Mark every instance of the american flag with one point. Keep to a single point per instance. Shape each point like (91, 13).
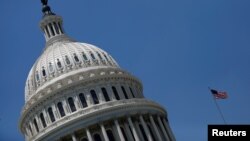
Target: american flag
(219, 94)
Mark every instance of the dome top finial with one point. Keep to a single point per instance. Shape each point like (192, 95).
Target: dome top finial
(46, 9)
(44, 2)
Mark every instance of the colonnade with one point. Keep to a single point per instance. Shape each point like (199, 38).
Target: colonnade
(133, 128)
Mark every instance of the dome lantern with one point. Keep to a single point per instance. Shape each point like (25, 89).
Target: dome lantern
(51, 24)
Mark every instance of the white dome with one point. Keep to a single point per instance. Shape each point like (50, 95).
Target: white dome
(61, 58)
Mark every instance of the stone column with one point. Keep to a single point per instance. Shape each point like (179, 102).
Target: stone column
(99, 94)
(65, 107)
(73, 136)
(104, 132)
(55, 112)
(146, 128)
(133, 129)
(50, 32)
(88, 135)
(130, 138)
(60, 32)
(33, 128)
(169, 130)
(126, 87)
(119, 131)
(110, 92)
(28, 131)
(162, 128)
(39, 124)
(155, 128)
(46, 118)
(76, 102)
(46, 31)
(120, 92)
(139, 131)
(53, 26)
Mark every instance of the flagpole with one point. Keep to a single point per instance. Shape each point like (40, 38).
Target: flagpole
(218, 108)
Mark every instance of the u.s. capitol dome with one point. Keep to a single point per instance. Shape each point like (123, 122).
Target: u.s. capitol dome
(77, 92)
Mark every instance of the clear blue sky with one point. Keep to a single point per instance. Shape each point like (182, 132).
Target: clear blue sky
(177, 48)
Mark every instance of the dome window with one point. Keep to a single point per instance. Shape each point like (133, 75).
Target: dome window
(83, 100)
(105, 56)
(72, 104)
(124, 92)
(43, 120)
(132, 92)
(97, 137)
(37, 76)
(99, 55)
(110, 135)
(67, 60)
(51, 114)
(76, 58)
(115, 93)
(60, 108)
(36, 126)
(51, 69)
(43, 72)
(105, 94)
(92, 56)
(94, 97)
(59, 64)
(84, 56)
(84, 139)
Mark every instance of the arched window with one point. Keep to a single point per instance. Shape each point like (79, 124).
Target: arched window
(43, 72)
(36, 126)
(84, 56)
(51, 69)
(72, 104)
(105, 94)
(51, 114)
(115, 93)
(143, 132)
(124, 92)
(124, 134)
(110, 135)
(67, 60)
(76, 58)
(94, 96)
(99, 55)
(60, 108)
(37, 76)
(132, 92)
(59, 64)
(43, 120)
(83, 100)
(105, 56)
(92, 56)
(97, 137)
(84, 139)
